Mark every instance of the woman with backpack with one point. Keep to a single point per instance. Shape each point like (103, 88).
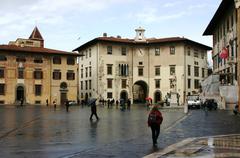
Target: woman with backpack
(154, 121)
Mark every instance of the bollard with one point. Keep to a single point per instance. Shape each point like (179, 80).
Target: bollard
(185, 108)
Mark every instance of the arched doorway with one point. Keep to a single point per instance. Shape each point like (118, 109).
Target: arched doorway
(124, 95)
(140, 92)
(157, 96)
(63, 92)
(20, 93)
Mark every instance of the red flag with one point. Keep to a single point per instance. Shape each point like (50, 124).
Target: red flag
(224, 53)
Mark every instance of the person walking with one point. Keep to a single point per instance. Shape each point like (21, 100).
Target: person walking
(55, 104)
(67, 105)
(21, 102)
(154, 121)
(47, 102)
(128, 104)
(117, 102)
(94, 111)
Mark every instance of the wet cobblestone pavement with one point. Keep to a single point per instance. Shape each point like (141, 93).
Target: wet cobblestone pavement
(43, 132)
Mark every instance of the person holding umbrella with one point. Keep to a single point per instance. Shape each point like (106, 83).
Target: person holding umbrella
(93, 109)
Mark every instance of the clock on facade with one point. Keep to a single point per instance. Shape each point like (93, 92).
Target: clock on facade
(140, 52)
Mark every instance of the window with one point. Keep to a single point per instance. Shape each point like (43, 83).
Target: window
(189, 70)
(196, 53)
(90, 95)
(196, 71)
(90, 71)
(202, 54)
(140, 71)
(172, 69)
(109, 83)
(56, 60)
(2, 89)
(124, 83)
(124, 51)
(195, 63)
(196, 84)
(70, 60)
(157, 51)
(86, 55)
(81, 73)
(140, 63)
(57, 75)
(1, 72)
(157, 83)
(109, 69)
(172, 50)
(86, 73)
(90, 52)
(189, 83)
(109, 49)
(81, 95)
(3, 58)
(70, 75)
(90, 84)
(203, 73)
(81, 85)
(109, 94)
(20, 73)
(123, 69)
(157, 71)
(38, 74)
(38, 60)
(86, 85)
(189, 51)
(20, 59)
(38, 90)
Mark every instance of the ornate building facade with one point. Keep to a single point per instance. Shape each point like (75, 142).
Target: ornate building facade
(121, 68)
(223, 28)
(34, 74)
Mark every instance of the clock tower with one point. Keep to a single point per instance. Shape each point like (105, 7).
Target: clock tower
(140, 35)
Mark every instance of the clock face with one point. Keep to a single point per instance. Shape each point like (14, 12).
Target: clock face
(140, 52)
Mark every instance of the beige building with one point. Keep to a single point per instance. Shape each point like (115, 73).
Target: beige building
(33, 73)
(115, 67)
(223, 28)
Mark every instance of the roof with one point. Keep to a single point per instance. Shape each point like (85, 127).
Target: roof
(36, 34)
(147, 42)
(37, 50)
(221, 11)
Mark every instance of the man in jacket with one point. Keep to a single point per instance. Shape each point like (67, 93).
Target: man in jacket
(154, 121)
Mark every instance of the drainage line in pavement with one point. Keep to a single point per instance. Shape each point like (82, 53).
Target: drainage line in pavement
(18, 128)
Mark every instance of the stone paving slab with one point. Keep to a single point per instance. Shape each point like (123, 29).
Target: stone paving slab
(205, 147)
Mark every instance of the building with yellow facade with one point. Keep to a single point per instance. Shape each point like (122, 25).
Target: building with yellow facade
(34, 74)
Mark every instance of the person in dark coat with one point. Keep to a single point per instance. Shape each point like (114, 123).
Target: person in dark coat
(117, 102)
(154, 121)
(128, 103)
(67, 105)
(47, 102)
(55, 104)
(94, 111)
(21, 102)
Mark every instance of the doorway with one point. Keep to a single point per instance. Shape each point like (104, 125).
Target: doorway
(157, 96)
(20, 93)
(140, 92)
(124, 95)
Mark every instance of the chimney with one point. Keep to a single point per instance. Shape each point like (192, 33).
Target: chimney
(104, 34)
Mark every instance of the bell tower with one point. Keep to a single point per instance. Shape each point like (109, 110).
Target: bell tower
(140, 34)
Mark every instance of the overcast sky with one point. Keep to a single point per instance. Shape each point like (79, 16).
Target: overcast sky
(66, 24)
